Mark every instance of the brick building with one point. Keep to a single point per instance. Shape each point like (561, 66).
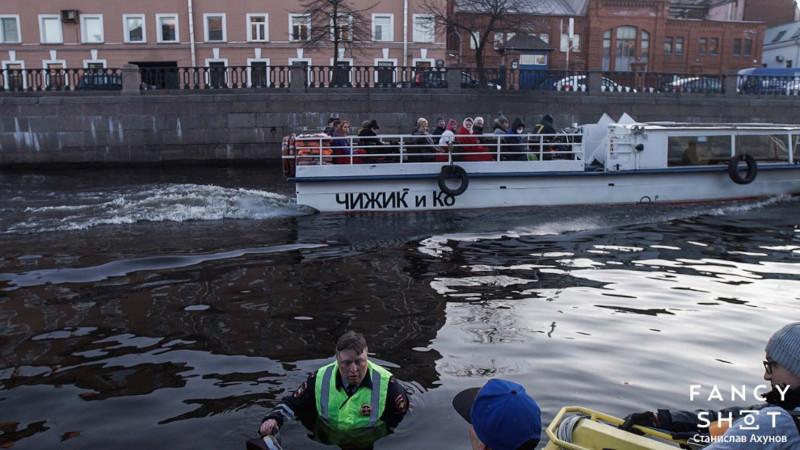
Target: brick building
(640, 35)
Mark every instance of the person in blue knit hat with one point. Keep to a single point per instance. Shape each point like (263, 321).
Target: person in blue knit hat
(772, 425)
(502, 416)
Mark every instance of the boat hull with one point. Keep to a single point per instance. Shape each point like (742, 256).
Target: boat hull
(418, 188)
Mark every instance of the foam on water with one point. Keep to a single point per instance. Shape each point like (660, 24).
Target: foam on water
(154, 203)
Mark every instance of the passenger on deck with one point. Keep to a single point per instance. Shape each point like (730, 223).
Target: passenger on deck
(500, 129)
(448, 138)
(331, 127)
(422, 149)
(477, 126)
(440, 126)
(546, 127)
(514, 148)
(341, 146)
(470, 145)
(500, 124)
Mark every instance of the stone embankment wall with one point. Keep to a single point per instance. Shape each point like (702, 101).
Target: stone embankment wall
(243, 125)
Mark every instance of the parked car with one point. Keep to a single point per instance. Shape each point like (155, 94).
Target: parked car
(438, 78)
(578, 83)
(100, 82)
(694, 84)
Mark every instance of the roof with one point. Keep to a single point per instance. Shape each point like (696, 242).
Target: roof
(789, 32)
(522, 42)
(535, 7)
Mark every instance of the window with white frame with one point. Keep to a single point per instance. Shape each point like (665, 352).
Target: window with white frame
(215, 27)
(424, 28)
(382, 27)
(91, 28)
(9, 29)
(50, 29)
(474, 39)
(168, 30)
(134, 28)
(257, 27)
(574, 45)
(300, 27)
(343, 29)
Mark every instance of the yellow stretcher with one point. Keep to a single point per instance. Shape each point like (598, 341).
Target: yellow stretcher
(579, 428)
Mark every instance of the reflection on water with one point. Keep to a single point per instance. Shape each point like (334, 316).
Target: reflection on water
(182, 331)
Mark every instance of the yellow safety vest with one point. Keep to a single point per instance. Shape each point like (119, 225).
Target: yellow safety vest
(361, 410)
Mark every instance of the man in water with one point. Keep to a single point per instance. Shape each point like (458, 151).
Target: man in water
(346, 397)
(772, 425)
(502, 416)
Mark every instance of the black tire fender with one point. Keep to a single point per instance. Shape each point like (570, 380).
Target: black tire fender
(453, 171)
(736, 175)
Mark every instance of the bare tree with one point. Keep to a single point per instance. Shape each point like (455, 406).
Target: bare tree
(334, 22)
(480, 20)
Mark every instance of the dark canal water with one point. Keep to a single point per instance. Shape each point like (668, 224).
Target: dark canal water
(170, 308)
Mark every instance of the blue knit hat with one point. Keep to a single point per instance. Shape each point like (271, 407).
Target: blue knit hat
(784, 347)
(502, 414)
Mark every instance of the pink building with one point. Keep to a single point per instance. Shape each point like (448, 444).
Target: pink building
(69, 34)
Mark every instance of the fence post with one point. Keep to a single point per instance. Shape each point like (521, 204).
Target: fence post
(453, 78)
(730, 83)
(131, 79)
(594, 81)
(298, 78)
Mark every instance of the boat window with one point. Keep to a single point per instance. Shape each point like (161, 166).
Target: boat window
(698, 150)
(767, 147)
(796, 156)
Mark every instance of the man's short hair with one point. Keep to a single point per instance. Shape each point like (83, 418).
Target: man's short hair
(351, 341)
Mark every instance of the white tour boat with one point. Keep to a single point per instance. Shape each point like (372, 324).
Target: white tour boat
(610, 162)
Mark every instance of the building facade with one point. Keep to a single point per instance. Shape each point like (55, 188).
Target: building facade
(52, 34)
(642, 35)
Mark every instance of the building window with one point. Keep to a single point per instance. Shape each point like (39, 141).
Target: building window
(474, 39)
(215, 27)
(91, 28)
(385, 73)
(217, 74)
(713, 46)
(50, 29)
(300, 24)
(382, 28)
(645, 45)
(13, 76)
(168, 31)
(424, 28)
(55, 77)
(9, 29)
(737, 47)
(257, 29)
(574, 46)
(259, 76)
(134, 28)
(747, 50)
(606, 50)
(668, 45)
(679, 46)
(779, 36)
(342, 30)
(702, 48)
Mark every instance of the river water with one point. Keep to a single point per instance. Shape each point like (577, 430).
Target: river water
(169, 308)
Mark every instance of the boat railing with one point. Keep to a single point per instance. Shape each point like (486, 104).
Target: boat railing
(322, 149)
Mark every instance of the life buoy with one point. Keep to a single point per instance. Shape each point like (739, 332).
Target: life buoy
(736, 175)
(453, 171)
(287, 155)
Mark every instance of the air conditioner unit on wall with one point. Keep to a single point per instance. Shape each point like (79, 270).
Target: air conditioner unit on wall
(69, 15)
(779, 58)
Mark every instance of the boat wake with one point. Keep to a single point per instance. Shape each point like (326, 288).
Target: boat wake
(154, 203)
(560, 221)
